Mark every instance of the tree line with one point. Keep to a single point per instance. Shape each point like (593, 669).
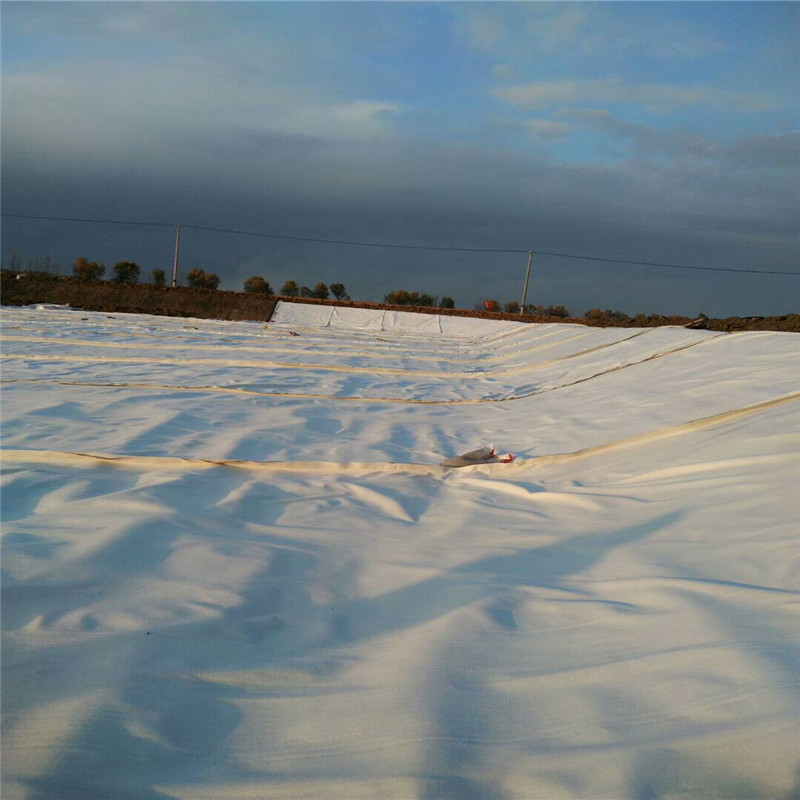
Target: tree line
(128, 272)
(400, 297)
(322, 291)
(530, 310)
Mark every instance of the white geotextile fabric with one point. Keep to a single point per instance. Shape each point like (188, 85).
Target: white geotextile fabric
(302, 314)
(233, 567)
(361, 318)
(477, 326)
(313, 315)
(411, 322)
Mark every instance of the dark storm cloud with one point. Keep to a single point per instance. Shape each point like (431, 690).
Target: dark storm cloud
(780, 151)
(438, 196)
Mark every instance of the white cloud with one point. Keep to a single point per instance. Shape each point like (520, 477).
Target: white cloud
(547, 128)
(485, 30)
(606, 31)
(125, 21)
(520, 26)
(364, 111)
(657, 98)
(560, 28)
(356, 120)
(122, 114)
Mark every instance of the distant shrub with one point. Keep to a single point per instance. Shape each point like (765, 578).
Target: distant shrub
(257, 285)
(606, 316)
(321, 291)
(447, 302)
(159, 277)
(400, 297)
(511, 308)
(290, 289)
(557, 311)
(126, 272)
(655, 320)
(86, 270)
(491, 305)
(199, 279)
(339, 292)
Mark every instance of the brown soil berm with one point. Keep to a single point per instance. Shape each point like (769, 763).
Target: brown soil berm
(19, 289)
(141, 298)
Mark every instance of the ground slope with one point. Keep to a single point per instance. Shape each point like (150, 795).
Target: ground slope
(233, 567)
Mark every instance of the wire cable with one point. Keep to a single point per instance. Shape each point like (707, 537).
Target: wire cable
(100, 221)
(660, 264)
(355, 244)
(396, 246)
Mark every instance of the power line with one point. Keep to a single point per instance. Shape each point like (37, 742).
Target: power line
(273, 235)
(659, 264)
(397, 246)
(100, 221)
(356, 244)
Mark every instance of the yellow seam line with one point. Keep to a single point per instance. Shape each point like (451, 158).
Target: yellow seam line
(329, 367)
(355, 398)
(268, 348)
(170, 463)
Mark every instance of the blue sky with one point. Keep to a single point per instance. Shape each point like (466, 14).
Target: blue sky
(665, 132)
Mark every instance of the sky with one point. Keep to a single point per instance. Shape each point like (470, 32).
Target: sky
(656, 132)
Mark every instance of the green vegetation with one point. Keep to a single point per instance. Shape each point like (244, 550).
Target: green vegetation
(35, 280)
(257, 285)
(26, 288)
(400, 297)
(198, 279)
(85, 270)
(320, 290)
(552, 311)
(126, 272)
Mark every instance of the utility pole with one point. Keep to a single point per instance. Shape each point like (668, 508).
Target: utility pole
(177, 251)
(527, 278)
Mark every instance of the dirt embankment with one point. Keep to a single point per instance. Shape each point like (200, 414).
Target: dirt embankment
(27, 289)
(141, 298)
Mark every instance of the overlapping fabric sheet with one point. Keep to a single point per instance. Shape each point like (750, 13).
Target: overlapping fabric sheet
(313, 315)
(232, 567)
